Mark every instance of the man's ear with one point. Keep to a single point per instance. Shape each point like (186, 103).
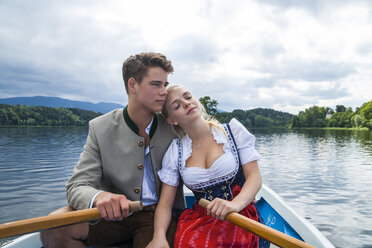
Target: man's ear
(132, 86)
(170, 122)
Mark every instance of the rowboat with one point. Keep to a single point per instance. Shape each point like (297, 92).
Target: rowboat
(273, 213)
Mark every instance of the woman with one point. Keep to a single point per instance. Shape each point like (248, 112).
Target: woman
(216, 163)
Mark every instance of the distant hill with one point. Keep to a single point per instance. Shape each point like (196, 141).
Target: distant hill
(23, 115)
(102, 107)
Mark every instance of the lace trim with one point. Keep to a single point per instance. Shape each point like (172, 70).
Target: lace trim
(182, 162)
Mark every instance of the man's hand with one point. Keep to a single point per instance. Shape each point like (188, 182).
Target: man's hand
(112, 207)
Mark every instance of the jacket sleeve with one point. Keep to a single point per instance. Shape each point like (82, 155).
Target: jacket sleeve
(85, 181)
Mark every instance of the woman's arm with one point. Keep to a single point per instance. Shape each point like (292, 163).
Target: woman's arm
(219, 208)
(163, 215)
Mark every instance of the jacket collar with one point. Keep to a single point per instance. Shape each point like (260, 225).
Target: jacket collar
(134, 127)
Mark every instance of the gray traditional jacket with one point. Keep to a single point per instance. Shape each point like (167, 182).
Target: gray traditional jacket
(113, 160)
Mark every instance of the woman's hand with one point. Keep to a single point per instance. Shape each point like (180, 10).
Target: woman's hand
(219, 208)
(158, 242)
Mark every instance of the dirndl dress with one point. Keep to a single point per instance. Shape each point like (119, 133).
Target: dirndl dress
(197, 229)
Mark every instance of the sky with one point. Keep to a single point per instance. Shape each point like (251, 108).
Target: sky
(286, 55)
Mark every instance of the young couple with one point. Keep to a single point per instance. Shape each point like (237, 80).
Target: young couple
(132, 154)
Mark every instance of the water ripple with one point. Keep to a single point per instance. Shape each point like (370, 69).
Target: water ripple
(324, 175)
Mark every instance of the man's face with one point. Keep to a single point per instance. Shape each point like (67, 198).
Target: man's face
(151, 93)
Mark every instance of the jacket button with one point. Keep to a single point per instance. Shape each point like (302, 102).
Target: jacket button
(140, 143)
(136, 190)
(140, 166)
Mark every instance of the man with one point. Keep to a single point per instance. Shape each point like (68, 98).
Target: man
(119, 164)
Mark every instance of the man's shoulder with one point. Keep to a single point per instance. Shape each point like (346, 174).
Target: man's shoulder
(163, 125)
(114, 116)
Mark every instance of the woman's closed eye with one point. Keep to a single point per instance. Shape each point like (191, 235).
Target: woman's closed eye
(175, 105)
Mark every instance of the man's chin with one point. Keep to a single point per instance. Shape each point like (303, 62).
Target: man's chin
(157, 109)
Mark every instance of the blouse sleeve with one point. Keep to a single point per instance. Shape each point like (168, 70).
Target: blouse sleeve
(169, 173)
(245, 142)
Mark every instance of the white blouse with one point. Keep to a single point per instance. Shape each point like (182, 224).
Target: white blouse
(223, 166)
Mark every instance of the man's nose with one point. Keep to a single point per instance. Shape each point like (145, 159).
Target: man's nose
(163, 91)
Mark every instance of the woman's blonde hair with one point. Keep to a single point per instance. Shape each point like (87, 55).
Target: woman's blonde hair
(207, 117)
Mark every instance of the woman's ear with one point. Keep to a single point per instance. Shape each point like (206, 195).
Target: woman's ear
(132, 86)
(170, 122)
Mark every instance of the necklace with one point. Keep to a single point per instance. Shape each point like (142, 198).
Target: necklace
(198, 146)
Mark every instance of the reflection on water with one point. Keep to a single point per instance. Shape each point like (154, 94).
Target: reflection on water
(34, 166)
(325, 175)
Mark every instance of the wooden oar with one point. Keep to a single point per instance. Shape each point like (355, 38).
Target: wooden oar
(265, 232)
(55, 220)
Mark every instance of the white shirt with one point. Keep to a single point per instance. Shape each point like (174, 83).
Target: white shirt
(224, 165)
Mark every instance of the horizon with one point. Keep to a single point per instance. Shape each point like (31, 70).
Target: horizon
(333, 108)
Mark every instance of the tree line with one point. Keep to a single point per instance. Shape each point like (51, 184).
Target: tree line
(24, 115)
(319, 117)
(315, 116)
(327, 117)
(254, 118)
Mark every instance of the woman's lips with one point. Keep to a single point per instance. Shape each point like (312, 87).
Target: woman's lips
(190, 110)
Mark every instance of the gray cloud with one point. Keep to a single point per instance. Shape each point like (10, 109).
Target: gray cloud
(306, 4)
(192, 48)
(332, 92)
(75, 49)
(309, 70)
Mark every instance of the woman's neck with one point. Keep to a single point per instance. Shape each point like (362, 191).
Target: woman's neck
(198, 129)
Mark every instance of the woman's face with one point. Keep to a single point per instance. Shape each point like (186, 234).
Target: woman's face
(182, 106)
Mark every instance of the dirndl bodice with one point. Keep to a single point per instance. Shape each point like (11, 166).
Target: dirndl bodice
(221, 187)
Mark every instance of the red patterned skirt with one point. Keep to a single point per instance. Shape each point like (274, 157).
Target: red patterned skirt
(197, 229)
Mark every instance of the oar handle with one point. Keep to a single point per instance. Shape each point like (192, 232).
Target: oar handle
(265, 232)
(55, 220)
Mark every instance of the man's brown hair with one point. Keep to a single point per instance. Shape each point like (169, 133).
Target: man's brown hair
(136, 66)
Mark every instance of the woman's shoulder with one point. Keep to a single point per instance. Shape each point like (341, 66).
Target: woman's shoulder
(174, 143)
(237, 127)
(239, 130)
(235, 123)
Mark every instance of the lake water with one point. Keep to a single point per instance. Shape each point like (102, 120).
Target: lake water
(326, 176)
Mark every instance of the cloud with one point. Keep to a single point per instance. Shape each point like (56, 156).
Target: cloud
(312, 71)
(245, 54)
(193, 49)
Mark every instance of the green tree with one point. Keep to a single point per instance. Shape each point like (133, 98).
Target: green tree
(44, 116)
(209, 104)
(340, 108)
(366, 110)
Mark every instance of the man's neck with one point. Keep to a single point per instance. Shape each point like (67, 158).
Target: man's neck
(139, 116)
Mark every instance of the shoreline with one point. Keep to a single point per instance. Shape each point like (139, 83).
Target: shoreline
(334, 128)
